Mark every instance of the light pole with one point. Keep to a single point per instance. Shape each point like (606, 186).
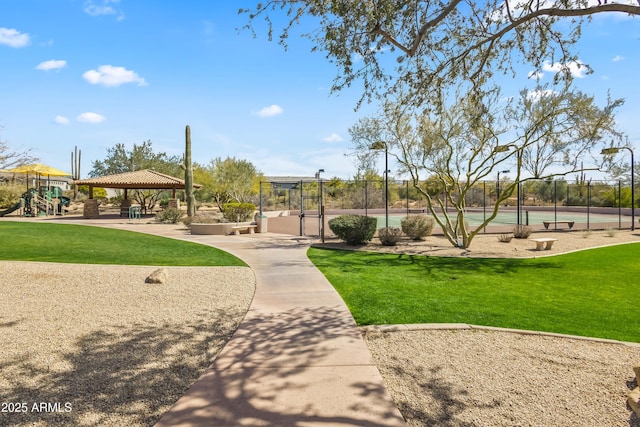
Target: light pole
(615, 150)
(379, 145)
(320, 206)
(498, 184)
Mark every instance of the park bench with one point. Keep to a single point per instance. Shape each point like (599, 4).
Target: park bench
(543, 243)
(547, 223)
(417, 210)
(250, 228)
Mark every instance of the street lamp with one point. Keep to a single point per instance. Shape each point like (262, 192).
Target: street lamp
(379, 145)
(320, 206)
(498, 183)
(615, 150)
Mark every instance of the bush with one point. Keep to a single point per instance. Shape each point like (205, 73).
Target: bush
(354, 229)
(417, 227)
(238, 212)
(10, 194)
(505, 238)
(521, 231)
(389, 236)
(169, 216)
(200, 219)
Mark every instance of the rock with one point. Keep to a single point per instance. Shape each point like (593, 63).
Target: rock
(160, 276)
(634, 400)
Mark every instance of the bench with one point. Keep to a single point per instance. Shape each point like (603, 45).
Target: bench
(547, 223)
(417, 211)
(248, 227)
(543, 243)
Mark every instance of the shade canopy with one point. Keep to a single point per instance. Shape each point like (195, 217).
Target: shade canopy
(142, 180)
(39, 168)
(138, 180)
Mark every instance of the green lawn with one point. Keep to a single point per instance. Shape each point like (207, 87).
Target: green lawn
(590, 293)
(39, 241)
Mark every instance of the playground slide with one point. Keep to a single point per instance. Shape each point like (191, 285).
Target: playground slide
(11, 209)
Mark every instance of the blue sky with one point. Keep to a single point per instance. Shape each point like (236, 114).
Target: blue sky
(93, 73)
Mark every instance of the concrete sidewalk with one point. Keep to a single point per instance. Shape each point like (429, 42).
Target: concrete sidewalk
(297, 359)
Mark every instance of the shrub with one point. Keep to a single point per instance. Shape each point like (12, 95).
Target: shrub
(521, 231)
(505, 238)
(200, 219)
(417, 227)
(389, 236)
(238, 212)
(169, 216)
(610, 232)
(354, 229)
(10, 194)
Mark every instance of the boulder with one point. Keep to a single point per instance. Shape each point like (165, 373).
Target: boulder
(160, 276)
(634, 400)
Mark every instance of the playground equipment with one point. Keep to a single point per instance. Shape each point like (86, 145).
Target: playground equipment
(42, 201)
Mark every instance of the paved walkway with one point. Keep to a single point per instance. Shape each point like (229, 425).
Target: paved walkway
(297, 359)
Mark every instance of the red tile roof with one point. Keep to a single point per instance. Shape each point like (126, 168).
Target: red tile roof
(142, 179)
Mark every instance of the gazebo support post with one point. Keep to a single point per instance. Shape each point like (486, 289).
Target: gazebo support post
(91, 205)
(174, 203)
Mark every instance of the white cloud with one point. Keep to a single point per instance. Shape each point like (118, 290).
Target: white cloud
(99, 8)
(91, 118)
(108, 75)
(54, 64)
(576, 68)
(14, 38)
(61, 120)
(273, 110)
(334, 137)
(617, 58)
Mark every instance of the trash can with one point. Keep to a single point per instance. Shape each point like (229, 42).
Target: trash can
(261, 221)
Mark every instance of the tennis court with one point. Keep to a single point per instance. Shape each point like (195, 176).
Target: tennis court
(533, 218)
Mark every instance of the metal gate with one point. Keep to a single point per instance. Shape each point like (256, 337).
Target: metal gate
(302, 198)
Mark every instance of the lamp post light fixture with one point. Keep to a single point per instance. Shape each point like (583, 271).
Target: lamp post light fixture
(379, 145)
(498, 183)
(616, 150)
(320, 206)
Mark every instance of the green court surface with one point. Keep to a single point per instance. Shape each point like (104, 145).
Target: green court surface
(534, 218)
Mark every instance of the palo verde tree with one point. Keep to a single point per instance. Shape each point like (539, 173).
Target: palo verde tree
(467, 142)
(232, 180)
(419, 47)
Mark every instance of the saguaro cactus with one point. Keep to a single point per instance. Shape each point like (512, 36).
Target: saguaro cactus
(188, 175)
(75, 170)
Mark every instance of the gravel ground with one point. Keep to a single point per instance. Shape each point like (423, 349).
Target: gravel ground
(94, 345)
(487, 378)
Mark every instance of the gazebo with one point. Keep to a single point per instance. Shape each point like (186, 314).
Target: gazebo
(146, 179)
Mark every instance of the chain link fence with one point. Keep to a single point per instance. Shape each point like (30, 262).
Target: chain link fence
(584, 198)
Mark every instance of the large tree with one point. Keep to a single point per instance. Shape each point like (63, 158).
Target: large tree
(422, 46)
(471, 139)
(232, 180)
(120, 160)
